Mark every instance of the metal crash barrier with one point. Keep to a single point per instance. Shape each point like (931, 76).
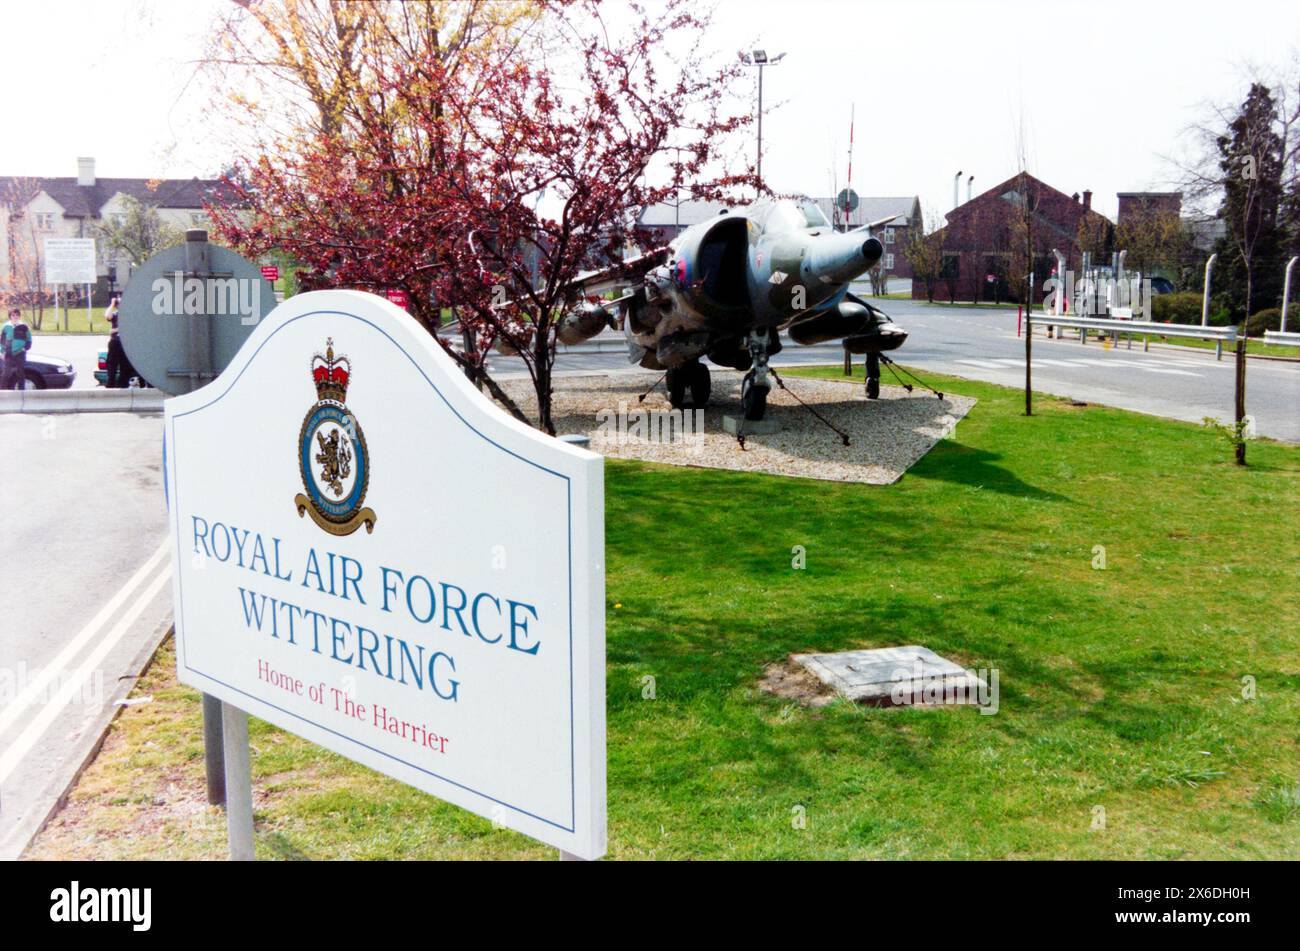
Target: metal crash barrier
(1145, 328)
(1282, 339)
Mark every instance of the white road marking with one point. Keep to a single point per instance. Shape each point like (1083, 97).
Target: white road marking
(41, 722)
(1168, 370)
(56, 667)
(999, 363)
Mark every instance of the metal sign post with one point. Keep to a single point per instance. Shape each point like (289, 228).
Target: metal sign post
(213, 755)
(239, 783)
(198, 264)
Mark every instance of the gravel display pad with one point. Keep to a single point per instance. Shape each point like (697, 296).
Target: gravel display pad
(886, 436)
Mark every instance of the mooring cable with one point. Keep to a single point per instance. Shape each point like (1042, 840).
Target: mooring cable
(781, 383)
(896, 369)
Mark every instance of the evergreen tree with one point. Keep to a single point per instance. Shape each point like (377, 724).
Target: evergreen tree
(1249, 274)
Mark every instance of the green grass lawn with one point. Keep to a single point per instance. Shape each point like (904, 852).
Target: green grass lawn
(1125, 728)
(1258, 347)
(53, 320)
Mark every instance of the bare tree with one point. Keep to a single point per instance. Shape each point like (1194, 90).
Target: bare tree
(23, 285)
(924, 252)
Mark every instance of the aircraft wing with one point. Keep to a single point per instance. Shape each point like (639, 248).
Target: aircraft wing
(592, 284)
(874, 224)
(603, 279)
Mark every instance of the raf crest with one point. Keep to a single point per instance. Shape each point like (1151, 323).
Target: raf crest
(332, 456)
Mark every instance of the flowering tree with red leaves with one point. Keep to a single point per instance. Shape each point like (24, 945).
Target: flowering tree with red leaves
(486, 185)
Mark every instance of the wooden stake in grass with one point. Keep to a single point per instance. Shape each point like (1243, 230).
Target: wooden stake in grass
(1241, 400)
(1029, 348)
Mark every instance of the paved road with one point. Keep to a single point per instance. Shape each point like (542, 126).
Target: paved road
(1176, 382)
(981, 344)
(86, 590)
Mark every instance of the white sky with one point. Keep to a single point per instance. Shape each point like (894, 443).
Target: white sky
(1105, 88)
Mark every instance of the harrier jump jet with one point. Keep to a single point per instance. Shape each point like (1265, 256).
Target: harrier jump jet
(725, 287)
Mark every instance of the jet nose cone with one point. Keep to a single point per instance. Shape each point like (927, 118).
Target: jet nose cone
(872, 251)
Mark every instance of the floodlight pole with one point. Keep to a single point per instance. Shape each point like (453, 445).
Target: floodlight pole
(1286, 291)
(1205, 295)
(760, 59)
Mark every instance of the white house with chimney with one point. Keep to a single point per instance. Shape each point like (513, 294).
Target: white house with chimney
(34, 208)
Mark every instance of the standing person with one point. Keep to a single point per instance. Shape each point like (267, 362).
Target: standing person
(15, 341)
(116, 363)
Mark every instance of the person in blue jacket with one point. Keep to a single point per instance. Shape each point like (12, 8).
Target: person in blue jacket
(15, 341)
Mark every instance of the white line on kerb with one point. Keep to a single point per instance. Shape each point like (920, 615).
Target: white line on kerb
(56, 667)
(13, 756)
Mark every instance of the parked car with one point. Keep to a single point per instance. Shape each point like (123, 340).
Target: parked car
(48, 373)
(101, 371)
(1162, 285)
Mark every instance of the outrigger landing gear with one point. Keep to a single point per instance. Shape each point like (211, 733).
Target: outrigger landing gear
(873, 376)
(692, 376)
(755, 386)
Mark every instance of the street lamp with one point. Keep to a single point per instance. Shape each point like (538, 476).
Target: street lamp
(760, 59)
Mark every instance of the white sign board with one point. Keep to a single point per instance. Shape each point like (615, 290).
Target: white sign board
(70, 261)
(372, 555)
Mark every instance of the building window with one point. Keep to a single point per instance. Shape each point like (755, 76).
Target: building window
(950, 269)
(889, 236)
(45, 221)
(198, 219)
(889, 262)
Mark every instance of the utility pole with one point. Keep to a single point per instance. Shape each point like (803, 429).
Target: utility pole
(760, 59)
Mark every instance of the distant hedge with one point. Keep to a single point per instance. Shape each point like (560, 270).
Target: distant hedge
(1184, 308)
(1271, 319)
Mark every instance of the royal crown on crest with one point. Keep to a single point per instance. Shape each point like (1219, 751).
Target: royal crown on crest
(330, 374)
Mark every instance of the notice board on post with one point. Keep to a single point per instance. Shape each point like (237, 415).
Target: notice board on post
(369, 553)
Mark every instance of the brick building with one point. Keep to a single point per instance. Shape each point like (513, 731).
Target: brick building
(1148, 203)
(978, 239)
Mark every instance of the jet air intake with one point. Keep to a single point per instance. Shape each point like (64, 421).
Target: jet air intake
(837, 258)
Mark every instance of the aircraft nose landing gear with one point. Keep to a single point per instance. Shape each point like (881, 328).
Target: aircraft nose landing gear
(873, 376)
(755, 386)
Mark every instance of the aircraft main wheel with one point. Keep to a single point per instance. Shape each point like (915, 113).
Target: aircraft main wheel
(692, 377)
(700, 385)
(873, 389)
(753, 399)
(678, 377)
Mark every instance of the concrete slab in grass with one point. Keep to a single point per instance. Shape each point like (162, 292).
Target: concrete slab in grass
(910, 674)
